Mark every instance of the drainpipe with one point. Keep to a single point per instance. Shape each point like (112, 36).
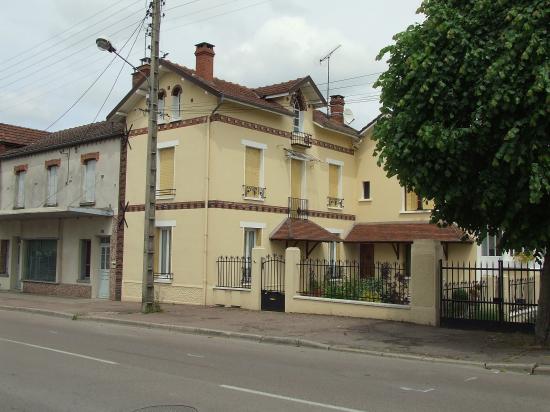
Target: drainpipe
(207, 194)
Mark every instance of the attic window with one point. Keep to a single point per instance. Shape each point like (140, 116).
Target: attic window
(298, 122)
(176, 102)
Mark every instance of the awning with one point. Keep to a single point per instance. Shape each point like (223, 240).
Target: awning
(302, 230)
(54, 212)
(405, 232)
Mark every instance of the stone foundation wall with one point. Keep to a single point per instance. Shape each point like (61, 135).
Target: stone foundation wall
(57, 289)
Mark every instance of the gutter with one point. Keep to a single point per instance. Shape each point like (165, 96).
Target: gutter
(207, 194)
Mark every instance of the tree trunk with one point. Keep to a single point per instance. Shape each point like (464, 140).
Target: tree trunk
(542, 327)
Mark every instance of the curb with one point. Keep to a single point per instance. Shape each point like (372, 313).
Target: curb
(529, 368)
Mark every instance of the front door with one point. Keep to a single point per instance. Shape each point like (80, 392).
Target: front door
(104, 268)
(366, 259)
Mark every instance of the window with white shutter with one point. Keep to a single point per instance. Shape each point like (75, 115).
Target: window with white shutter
(51, 196)
(89, 181)
(20, 189)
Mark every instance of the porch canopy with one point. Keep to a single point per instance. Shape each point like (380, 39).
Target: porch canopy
(405, 232)
(54, 212)
(294, 230)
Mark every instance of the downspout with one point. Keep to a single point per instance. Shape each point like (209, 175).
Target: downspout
(207, 195)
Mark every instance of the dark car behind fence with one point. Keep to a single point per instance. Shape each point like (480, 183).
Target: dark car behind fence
(234, 271)
(384, 282)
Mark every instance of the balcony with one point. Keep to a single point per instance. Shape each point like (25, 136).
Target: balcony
(166, 192)
(335, 202)
(300, 139)
(253, 192)
(297, 208)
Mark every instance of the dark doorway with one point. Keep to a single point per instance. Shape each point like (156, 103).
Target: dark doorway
(366, 259)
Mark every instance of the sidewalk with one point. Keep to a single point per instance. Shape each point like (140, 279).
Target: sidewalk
(336, 332)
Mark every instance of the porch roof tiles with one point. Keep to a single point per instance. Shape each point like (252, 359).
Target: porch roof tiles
(404, 232)
(299, 229)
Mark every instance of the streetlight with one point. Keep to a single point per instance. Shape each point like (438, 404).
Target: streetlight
(147, 292)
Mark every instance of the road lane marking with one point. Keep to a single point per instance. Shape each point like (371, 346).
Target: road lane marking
(192, 355)
(78, 355)
(405, 388)
(473, 378)
(287, 398)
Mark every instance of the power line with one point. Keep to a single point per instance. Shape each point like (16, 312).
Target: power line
(352, 78)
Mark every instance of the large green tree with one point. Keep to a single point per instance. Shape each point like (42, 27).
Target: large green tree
(465, 120)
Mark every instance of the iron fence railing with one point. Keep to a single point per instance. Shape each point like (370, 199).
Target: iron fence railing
(335, 202)
(336, 279)
(234, 271)
(298, 208)
(300, 139)
(163, 277)
(253, 192)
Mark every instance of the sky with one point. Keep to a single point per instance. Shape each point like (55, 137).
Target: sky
(51, 60)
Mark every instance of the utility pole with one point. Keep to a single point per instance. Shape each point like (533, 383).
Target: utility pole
(148, 287)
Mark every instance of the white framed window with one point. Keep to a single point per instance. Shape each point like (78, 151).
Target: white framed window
(254, 172)
(88, 181)
(490, 246)
(166, 170)
(176, 103)
(51, 195)
(298, 121)
(414, 203)
(298, 177)
(366, 190)
(163, 254)
(335, 197)
(20, 188)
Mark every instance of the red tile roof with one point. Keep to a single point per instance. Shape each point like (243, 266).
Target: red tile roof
(299, 229)
(403, 232)
(68, 137)
(18, 135)
(284, 87)
(322, 119)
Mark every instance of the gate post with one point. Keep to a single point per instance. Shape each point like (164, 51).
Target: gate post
(258, 253)
(292, 276)
(500, 291)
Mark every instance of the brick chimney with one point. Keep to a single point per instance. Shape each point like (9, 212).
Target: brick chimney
(145, 67)
(337, 108)
(204, 64)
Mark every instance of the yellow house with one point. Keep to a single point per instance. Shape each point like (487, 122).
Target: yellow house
(240, 167)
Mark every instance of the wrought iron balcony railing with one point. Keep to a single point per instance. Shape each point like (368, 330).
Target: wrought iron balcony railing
(297, 208)
(335, 202)
(300, 139)
(166, 192)
(253, 192)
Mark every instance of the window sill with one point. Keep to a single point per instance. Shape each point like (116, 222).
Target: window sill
(165, 197)
(83, 281)
(255, 199)
(18, 207)
(166, 281)
(87, 204)
(49, 282)
(365, 200)
(335, 208)
(175, 119)
(4, 275)
(415, 212)
(50, 205)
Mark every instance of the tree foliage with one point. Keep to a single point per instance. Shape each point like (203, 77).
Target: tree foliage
(465, 115)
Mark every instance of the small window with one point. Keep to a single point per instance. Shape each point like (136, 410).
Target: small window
(161, 106)
(20, 189)
(176, 103)
(4, 250)
(85, 258)
(41, 260)
(165, 184)
(163, 254)
(88, 181)
(51, 196)
(366, 190)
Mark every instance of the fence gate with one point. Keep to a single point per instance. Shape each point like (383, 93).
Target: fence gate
(273, 283)
(489, 296)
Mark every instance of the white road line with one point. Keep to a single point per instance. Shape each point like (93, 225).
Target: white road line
(30, 345)
(287, 398)
(405, 388)
(192, 355)
(473, 378)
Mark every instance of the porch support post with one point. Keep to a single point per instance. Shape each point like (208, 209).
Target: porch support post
(425, 281)
(396, 248)
(292, 276)
(256, 278)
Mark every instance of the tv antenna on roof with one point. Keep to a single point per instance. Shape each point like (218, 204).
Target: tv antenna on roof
(327, 58)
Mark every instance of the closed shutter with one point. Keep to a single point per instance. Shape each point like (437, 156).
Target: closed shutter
(296, 178)
(428, 204)
(20, 199)
(333, 180)
(411, 201)
(89, 181)
(52, 186)
(252, 166)
(166, 177)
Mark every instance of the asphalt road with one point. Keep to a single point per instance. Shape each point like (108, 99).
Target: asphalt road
(51, 364)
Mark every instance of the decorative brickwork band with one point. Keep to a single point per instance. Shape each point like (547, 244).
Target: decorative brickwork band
(251, 207)
(84, 157)
(20, 168)
(52, 162)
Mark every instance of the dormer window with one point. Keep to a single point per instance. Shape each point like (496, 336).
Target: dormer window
(298, 117)
(161, 106)
(176, 103)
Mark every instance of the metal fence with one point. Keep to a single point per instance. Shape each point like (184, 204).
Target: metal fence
(489, 295)
(234, 271)
(336, 279)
